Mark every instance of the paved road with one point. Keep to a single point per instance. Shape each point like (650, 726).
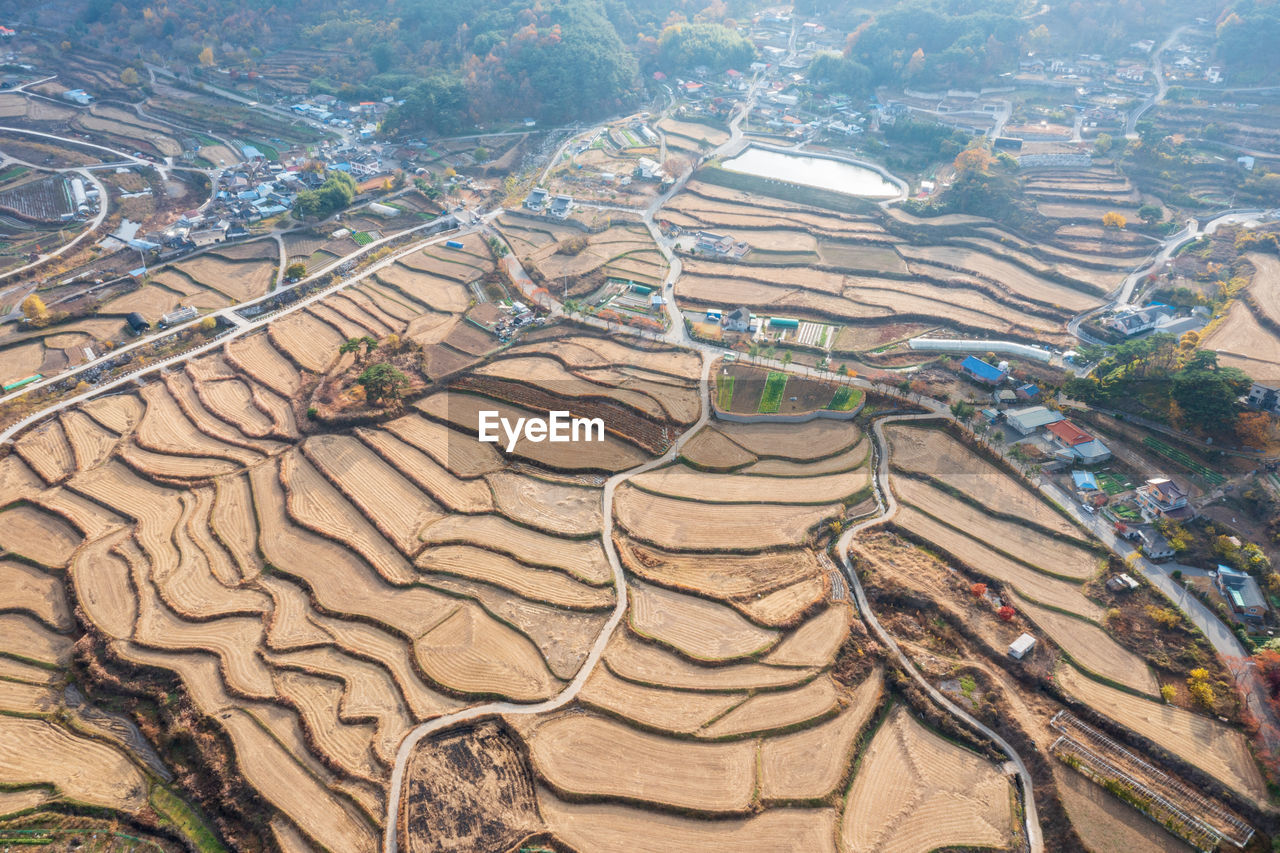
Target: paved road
(240, 326)
(1162, 87)
(571, 690)
(1219, 634)
(889, 505)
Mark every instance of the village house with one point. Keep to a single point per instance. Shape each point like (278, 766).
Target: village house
(1031, 418)
(1161, 497)
(536, 200)
(560, 206)
(1264, 397)
(1076, 444)
(1243, 594)
(1154, 546)
(737, 320)
(1131, 321)
(979, 370)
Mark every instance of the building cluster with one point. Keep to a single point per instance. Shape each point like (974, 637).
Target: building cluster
(555, 206)
(1131, 320)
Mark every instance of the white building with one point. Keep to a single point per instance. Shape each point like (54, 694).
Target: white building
(1019, 648)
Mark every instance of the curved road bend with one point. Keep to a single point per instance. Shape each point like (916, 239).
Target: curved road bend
(886, 499)
(597, 649)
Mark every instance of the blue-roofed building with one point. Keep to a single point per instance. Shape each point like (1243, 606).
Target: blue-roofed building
(250, 152)
(1028, 391)
(1084, 481)
(981, 371)
(1243, 594)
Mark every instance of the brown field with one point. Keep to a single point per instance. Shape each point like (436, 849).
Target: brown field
(466, 496)
(915, 791)
(936, 454)
(580, 559)
(462, 410)
(800, 442)
(709, 449)
(37, 535)
(672, 523)
(810, 763)
(1017, 280)
(237, 280)
(1265, 286)
(536, 584)
(468, 788)
(677, 481)
(1203, 742)
(654, 707)
(17, 697)
(22, 799)
(719, 576)
(166, 429)
(90, 442)
(47, 451)
(859, 456)
(585, 755)
(814, 643)
(1037, 549)
(103, 588)
(1107, 825)
(119, 413)
(232, 401)
(1032, 584)
(559, 508)
(316, 505)
(20, 360)
(39, 593)
(550, 373)
(472, 653)
(1242, 342)
(305, 341)
(397, 508)
(1092, 648)
(255, 355)
(777, 710)
(785, 606)
(612, 828)
(81, 769)
(642, 663)
(693, 626)
(439, 294)
(29, 640)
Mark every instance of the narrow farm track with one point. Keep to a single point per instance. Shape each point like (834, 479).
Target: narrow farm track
(571, 690)
(889, 508)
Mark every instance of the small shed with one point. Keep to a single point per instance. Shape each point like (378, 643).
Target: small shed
(137, 323)
(1018, 648)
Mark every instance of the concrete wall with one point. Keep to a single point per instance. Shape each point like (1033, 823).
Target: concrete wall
(779, 418)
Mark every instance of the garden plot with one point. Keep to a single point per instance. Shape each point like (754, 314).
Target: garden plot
(936, 454)
(915, 791)
(695, 627)
(584, 755)
(1203, 742)
(672, 523)
(610, 828)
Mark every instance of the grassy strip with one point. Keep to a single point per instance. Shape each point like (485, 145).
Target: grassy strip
(771, 399)
(845, 398)
(174, 811)
(724, 392)
(1185, 460)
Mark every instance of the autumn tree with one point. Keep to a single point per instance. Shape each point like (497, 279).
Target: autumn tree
(978, 590)
(1253, 429)
(972, 161)
(1006, 613)
(33, 308)
(1200, 689)
(206, 57)
(1112, 219)
(129, 76)
(915, 64)
(295, 270)
(208, 324)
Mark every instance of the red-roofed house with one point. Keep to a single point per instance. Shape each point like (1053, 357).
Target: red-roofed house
(1068, 433)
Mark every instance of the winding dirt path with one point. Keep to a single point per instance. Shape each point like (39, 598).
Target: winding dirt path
(570, 692)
